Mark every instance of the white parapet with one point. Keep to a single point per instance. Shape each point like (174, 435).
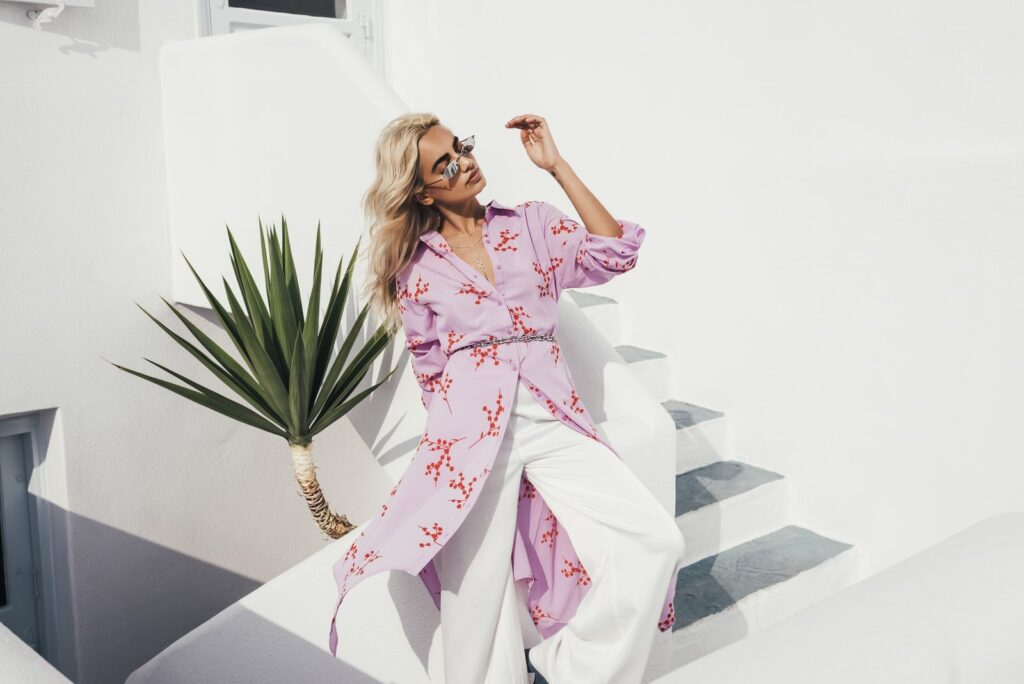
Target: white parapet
(951, 613)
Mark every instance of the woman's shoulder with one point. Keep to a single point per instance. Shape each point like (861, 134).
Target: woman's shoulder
(539, 211)
(415, 278)
(529, 209)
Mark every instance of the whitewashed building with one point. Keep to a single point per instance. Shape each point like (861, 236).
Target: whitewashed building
(816, 365)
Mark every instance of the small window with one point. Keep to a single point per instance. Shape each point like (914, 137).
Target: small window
(335, 9)
(356, 18)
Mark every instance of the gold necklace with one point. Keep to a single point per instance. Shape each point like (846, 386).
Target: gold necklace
(479, 261)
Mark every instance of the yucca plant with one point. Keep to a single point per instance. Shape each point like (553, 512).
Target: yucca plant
(285, 373)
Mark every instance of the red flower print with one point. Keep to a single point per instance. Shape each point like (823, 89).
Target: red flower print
(481, 353)
(551, 406)
(492, 419)
(460, 484)
(529, 491)
(670, 619)
(441, 386)
(555, 263)
(549, 535)
(518, 314)
(537, 614)
(434, 531)
(617, 264)
(574, 404)
(507, 236)
(368, 558)
(564, 225)
(404, 293)
(581, 255)
(556, 352)
(544, 287)
(427, 381)
(445, 447)
(571, 569)
(454, 339)
(352, 552)
(471, 289)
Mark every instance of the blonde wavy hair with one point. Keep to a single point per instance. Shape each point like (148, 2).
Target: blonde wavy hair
(396, 220)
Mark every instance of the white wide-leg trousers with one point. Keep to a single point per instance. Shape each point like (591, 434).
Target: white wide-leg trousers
(625, 538)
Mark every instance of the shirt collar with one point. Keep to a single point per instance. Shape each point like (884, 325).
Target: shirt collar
(431, 237)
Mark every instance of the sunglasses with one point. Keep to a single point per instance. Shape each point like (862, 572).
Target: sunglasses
(466, 146)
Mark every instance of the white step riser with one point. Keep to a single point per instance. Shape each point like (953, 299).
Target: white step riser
(752, 613)
(723, 525)
(607, 318)
(656, 375)
(714, 528)
(704, 443)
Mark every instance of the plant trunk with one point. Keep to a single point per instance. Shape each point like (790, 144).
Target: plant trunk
(336, 526)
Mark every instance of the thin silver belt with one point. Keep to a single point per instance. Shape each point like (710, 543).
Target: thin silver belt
(501, 340)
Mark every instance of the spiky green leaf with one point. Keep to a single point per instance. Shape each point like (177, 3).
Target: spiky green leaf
(343, 408)
(214, 401)
(265, 371)
(231, 374)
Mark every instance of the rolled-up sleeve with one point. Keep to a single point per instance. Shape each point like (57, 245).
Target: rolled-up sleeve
(421, 339)
(581, 259)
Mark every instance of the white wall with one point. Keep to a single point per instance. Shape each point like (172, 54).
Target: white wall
(833, 198)
(173, 511)
(828, 190)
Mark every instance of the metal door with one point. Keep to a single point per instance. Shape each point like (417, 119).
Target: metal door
(19, 558)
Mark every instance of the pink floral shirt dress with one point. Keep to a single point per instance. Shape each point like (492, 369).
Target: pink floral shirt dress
(536, 252)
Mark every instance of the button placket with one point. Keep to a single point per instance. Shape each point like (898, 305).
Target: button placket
(499, 280)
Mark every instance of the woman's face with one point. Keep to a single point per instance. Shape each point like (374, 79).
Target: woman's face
(437, 148)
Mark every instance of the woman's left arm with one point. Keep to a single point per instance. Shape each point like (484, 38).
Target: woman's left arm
(582, 259)
(581, 256)
(540, 147)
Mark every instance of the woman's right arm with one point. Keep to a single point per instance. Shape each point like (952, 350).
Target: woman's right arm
(421, 339)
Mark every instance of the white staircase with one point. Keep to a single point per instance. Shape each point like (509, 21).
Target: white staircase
(747, 567)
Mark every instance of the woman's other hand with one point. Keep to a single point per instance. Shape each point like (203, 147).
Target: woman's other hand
(537, 140)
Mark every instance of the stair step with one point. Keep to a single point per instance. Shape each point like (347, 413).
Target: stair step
(604, 312)
(711, 585)
(653, 368)
(716, 482)
(702, 434)
(728, 596)
(587, 299)
(727, 503)
(744, 568)
(687, 415)
(631, 353)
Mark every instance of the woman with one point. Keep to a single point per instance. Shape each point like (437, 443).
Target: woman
(497, 475)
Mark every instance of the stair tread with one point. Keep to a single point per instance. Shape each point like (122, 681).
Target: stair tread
(633, 353)
(713, 584)
(585, 299)
(687, 415)
(717, 481)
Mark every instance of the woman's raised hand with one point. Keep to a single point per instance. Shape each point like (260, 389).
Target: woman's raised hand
(536, 138)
